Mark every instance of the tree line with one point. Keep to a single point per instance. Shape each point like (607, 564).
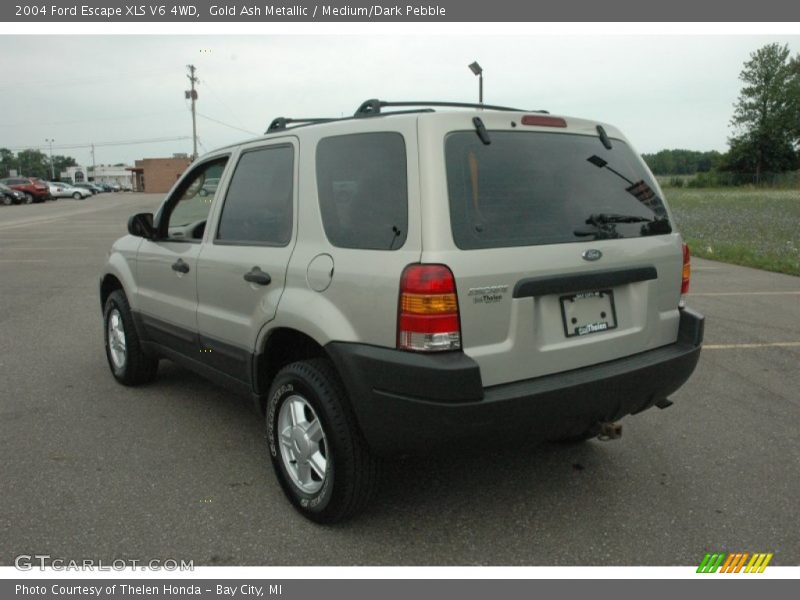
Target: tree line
(33, 163)
(765, 125)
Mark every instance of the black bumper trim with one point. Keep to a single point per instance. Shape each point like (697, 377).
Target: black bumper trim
(409, 403)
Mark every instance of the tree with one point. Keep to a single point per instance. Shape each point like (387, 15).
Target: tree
(62, 162)
(765, 117)
(33, 163)
(682, 162)
(7, 162)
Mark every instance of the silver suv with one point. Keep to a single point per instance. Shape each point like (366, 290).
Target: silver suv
(402, 280)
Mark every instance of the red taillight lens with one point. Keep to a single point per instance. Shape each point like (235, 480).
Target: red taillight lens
(428, 318)
(686, 275)
(543, 121)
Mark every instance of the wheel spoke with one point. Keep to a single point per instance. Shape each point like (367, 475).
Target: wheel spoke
(314, 431)
(318, 464)
(286, 439)
(298, 414)
(304, 472)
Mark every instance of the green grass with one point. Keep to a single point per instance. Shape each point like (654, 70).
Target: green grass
(746, 226)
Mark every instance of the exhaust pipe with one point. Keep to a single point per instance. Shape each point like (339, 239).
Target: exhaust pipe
(609, 431)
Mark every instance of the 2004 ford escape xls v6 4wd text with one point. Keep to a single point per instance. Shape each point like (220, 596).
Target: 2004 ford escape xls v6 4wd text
(400, 281)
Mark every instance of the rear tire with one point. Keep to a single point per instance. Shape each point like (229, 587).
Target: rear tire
(319, 455)
(6, 201)
(28, 198)
(77, 196)
(128, 362)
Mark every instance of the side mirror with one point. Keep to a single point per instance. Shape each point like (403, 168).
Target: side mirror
(141, 225)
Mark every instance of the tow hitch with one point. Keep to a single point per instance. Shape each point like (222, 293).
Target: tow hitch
(609, 431)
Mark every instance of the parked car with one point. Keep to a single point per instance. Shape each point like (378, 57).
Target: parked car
(209, 187)
(10, 196)
(411, 282)
(35, 190)
(65, 190)
(89, 186)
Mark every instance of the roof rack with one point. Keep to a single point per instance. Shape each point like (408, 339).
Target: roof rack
(281, 123)
(372, 107)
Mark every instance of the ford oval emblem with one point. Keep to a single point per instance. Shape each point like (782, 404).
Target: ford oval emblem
(592, 254)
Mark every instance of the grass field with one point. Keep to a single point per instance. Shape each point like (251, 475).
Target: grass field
(745, 226)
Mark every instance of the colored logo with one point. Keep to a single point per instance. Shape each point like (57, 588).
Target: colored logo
(735, 562)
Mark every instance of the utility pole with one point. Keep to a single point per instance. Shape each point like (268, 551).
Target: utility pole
(52, 168)
(192, 94)
(94, 167)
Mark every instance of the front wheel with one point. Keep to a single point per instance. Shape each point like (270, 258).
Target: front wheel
(28, 198)
(319, 456)
(77, 196)
(129, 364)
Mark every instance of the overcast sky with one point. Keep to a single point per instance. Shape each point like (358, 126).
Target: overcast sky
(662, 91)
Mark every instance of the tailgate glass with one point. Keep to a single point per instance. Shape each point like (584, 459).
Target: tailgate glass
(531, 188)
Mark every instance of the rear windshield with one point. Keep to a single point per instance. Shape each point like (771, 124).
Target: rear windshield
(526, 189)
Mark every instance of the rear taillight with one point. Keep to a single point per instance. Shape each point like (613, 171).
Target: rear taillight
(686, 275)
(428, 318)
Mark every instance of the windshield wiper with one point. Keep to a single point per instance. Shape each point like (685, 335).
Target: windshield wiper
(605, 225)
(605, 218)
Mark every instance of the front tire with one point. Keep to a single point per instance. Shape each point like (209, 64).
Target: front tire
(28, 198)
(77, 196)
(128, 362)
(320, 458)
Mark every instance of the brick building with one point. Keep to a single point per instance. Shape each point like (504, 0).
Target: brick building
(158, 175)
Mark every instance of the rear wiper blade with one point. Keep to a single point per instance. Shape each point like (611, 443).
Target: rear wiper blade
(606, 218)
(605, 222)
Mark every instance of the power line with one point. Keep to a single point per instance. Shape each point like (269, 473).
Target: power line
(121, 118)
(224, 104)
(227, 124)
(99, 144)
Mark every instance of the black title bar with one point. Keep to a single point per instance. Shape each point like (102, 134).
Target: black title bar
(194, 11)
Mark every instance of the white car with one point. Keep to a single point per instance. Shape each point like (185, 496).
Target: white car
(65, 190)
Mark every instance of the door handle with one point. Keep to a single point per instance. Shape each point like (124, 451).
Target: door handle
(257, 276)
(180, 266)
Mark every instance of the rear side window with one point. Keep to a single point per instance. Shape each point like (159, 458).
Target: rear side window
(258, 205)
(529, 188)
(362, 183)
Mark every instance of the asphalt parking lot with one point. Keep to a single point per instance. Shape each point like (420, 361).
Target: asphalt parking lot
(178, 469)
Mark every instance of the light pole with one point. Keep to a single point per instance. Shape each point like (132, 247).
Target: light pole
(477, 70)
(52, 168)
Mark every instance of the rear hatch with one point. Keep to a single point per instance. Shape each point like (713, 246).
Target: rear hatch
(561, 247)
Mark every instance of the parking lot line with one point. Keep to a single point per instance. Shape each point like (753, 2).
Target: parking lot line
(755, 345)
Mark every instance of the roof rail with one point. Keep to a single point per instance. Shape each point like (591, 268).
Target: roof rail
(281, 123)
(372, 107)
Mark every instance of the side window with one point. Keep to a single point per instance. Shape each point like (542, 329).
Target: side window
(362, 184)
(187, 217)
(258, 205)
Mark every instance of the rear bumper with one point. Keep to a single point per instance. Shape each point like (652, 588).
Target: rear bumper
(410, 403)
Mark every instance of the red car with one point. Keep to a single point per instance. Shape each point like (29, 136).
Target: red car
(35, 190)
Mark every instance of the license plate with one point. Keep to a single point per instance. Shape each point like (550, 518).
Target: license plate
(588, 312)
